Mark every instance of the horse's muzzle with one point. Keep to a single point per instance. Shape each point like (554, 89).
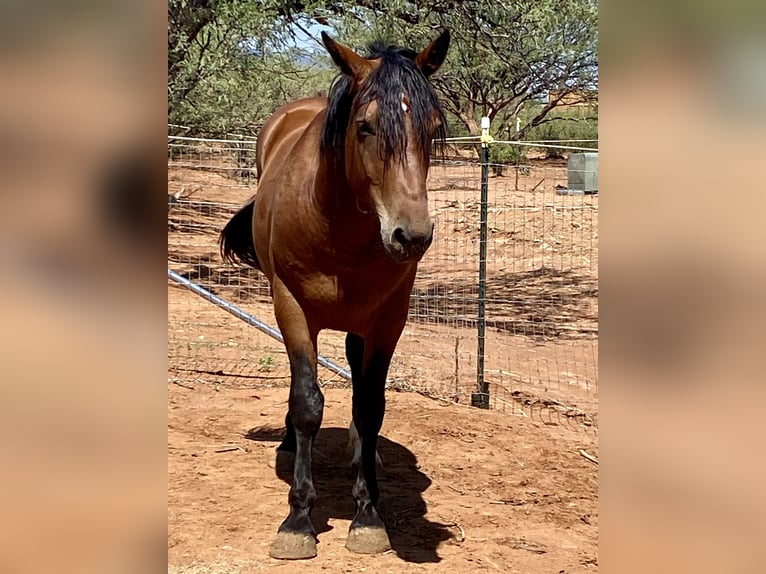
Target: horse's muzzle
(407, 245)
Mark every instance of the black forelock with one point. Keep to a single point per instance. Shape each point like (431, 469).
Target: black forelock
(395, 75)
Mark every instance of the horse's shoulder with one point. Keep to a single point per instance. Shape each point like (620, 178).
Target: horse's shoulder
(283, 128)
(305, 107)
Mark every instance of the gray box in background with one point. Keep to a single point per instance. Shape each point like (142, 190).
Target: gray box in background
(582, 172)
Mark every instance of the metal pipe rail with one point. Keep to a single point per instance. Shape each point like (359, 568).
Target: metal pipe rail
(250, 320)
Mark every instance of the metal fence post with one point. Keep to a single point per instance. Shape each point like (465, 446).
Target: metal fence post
(481, 397)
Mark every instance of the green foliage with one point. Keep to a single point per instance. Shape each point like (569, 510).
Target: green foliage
(567, 124)
(505, 56)
(230, 65)
(266, 363)
(506, 154)
(232, 62)
(503, 155)
(239, 100)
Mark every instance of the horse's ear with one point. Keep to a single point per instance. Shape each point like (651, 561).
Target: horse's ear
(349, 62)
(431, 59)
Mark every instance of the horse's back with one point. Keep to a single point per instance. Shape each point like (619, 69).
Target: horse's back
(280, 132)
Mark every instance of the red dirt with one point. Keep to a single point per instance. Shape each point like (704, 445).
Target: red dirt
(542, 286)
(465, 489)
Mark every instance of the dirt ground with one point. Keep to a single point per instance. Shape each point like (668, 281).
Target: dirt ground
(542, 285)
(464, 489)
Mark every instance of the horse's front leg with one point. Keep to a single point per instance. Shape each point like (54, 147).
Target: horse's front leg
(296, 538)
(355, 356)
(367, 534)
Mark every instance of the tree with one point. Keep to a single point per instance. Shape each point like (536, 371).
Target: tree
(505, 55)
(203, 35)
(231, 62)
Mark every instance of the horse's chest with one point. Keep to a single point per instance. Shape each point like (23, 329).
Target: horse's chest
(348, 301)
(356, 289)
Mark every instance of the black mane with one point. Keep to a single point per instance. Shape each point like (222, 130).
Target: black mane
(396, 74)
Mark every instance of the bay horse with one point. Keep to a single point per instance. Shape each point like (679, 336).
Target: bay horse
(339, 223)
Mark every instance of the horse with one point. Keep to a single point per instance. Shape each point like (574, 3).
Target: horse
(338, 225)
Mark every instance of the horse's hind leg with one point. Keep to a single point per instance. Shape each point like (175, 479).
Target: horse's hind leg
(296, 538)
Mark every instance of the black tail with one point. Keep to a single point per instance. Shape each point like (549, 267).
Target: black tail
(237, 238)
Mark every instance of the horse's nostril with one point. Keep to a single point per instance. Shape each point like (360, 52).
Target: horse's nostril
(400, 237)
(410, 244)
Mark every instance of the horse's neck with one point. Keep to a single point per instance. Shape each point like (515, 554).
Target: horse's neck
(351, 219)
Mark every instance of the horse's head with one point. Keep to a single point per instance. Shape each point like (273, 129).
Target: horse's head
(383, 115)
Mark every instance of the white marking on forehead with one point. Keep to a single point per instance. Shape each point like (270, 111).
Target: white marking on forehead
(405, 107)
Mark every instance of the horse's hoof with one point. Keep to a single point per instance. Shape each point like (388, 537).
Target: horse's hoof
(293, 546)
(368, 540)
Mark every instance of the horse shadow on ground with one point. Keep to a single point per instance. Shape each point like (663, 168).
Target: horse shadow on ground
(413, 537)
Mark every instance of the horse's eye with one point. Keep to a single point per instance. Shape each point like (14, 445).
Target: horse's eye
(365, 128)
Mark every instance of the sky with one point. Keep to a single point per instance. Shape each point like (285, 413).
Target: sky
(312, 40)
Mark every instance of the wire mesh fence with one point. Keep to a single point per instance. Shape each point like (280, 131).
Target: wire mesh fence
(541, 344)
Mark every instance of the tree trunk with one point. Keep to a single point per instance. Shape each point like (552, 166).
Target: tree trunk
(469, 121)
